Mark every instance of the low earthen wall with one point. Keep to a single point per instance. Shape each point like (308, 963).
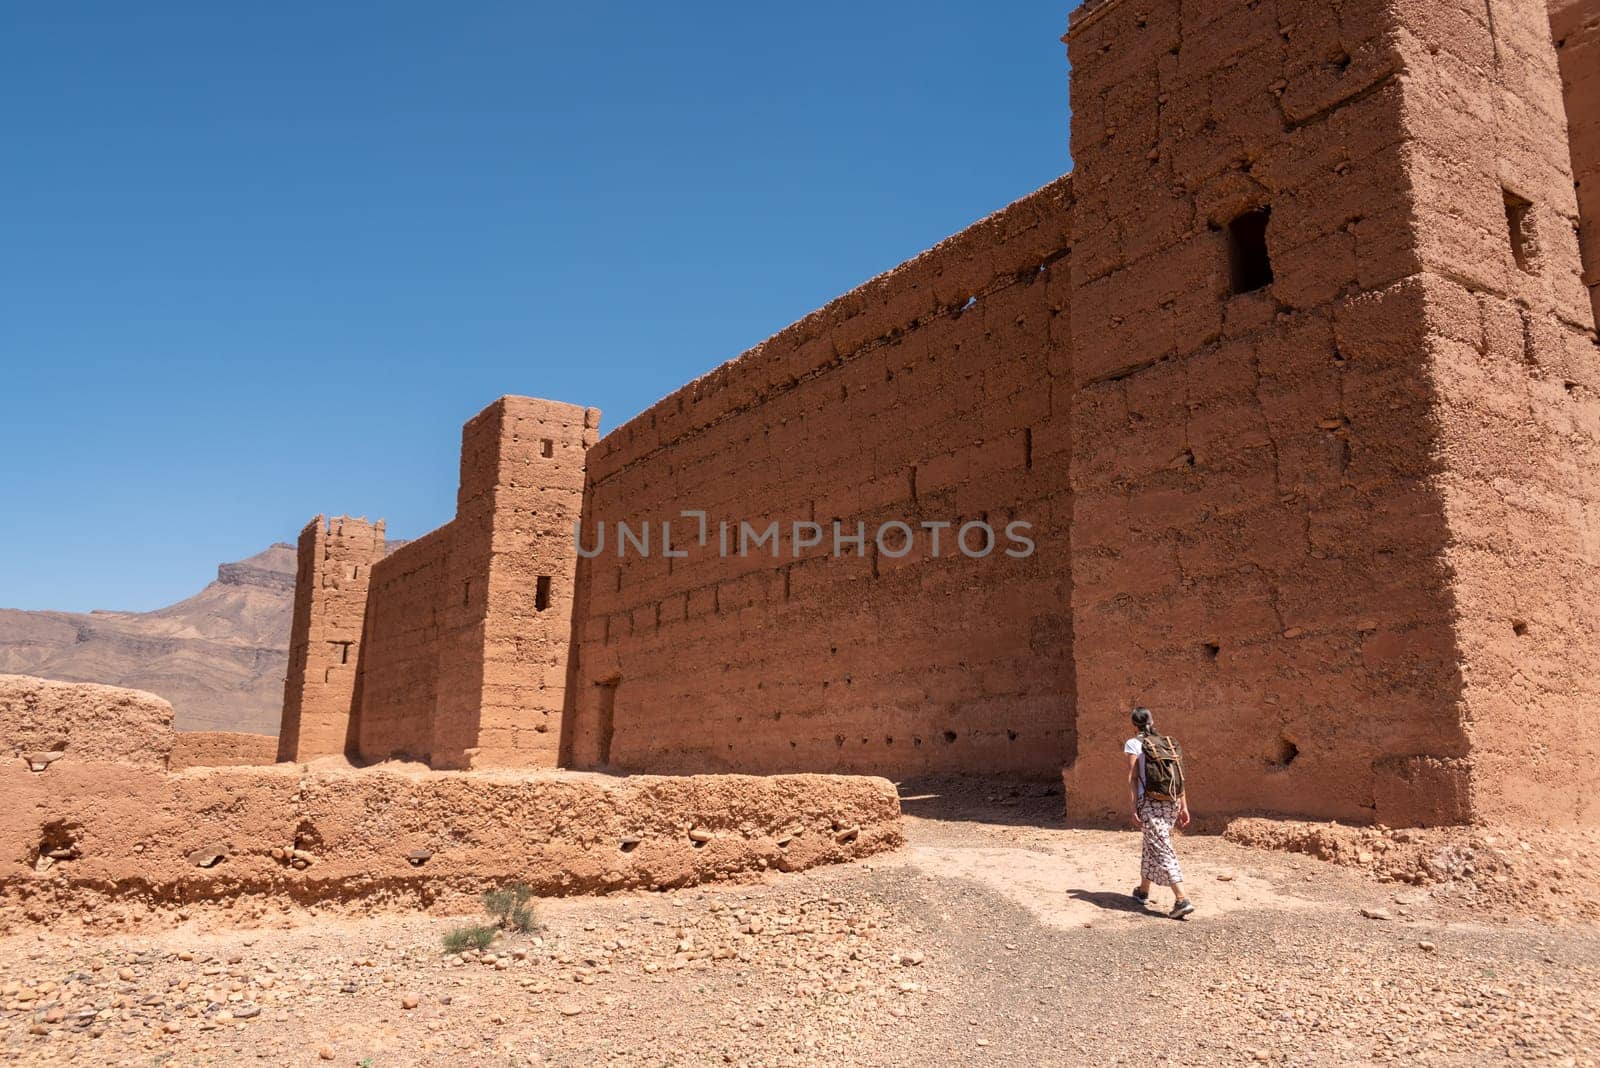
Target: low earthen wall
(78, 834)
(76, 722)
(217, 749)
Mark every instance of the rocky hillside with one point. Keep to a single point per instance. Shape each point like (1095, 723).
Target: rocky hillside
(219, 657)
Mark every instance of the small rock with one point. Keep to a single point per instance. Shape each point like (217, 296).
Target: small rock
(207, 856)
(41, 761)
(1376, 914)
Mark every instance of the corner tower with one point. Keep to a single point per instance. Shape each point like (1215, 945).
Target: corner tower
(330, 603)
(1335, 469)
(507, 614)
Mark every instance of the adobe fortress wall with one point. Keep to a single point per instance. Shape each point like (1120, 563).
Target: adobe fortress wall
(936, 393)
(451, 651)
(1293, 381)
(1575, 26)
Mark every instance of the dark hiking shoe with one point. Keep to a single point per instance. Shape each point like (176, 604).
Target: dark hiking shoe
(1141, 896)
(1182, 909)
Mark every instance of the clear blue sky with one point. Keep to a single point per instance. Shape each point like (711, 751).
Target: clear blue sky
(262, 262)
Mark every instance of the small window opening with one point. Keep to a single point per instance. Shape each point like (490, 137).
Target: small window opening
(1213, 650)
(1249, 265)
(547, 448)
(1286, 753)
(1520, 628)
(1519, 225)
(541, 594)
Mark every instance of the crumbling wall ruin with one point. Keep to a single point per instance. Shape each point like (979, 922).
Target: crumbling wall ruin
(106, 821)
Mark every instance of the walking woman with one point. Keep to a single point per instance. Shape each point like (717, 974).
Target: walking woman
(1156, 788)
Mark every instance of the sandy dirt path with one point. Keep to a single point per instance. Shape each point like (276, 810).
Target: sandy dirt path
(997, 936)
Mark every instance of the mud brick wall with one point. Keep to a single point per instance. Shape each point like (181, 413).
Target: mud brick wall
(464, 660)
(1518, 412)
(1575, 25)
(936, 392)
(104, 827)
(219, 749)
(397, 684)
(1255, 541)
(1294, 534)
(330, 595)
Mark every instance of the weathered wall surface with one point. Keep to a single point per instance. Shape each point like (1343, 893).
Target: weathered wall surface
(51, 722)
(335, 563)
(106, 822)
(1318, 513)
(1311, 469)
(464, 659)
(522, 480)
(1518, 416)
(399, 669)
(79, 834)
(935, 393)
(1575, 25)
(220, 749)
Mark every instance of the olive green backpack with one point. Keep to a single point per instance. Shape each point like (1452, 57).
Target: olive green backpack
(1163, 767)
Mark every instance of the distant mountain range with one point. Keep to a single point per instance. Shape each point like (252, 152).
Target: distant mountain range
(219, 656)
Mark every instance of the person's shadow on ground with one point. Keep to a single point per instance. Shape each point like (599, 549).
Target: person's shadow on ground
(1103, 899)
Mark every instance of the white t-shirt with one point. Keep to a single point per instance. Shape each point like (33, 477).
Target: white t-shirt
(1135, 746)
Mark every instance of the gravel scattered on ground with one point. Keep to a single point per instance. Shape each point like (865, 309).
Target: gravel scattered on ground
(998, 936)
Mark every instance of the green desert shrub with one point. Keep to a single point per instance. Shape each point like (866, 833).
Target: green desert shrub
(510, 907)
(473, 936)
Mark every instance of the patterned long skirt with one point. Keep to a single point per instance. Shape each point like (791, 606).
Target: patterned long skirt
(1159, 862)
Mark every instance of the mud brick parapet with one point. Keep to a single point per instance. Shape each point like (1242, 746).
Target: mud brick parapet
(1293, 384)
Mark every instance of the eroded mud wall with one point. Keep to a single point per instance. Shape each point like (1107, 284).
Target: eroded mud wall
(1518, 414)
(1575, 26)
(398, 685)
(939, 393)
(1335, 470)
(1258, 532)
